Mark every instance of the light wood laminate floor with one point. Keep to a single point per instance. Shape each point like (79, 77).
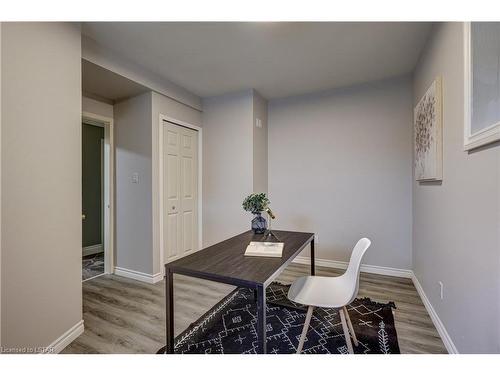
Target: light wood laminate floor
(127, 316)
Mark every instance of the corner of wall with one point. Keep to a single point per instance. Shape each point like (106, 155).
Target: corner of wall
(133, 213)
(260, 142)
(227, 130)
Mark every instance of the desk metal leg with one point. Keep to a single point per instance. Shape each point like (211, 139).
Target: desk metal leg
(313, 270)
(261, 319)
(169, 311)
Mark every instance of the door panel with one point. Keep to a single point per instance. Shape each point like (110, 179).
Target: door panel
(92, 178)
(172, 227)
(188, 231)
(172, 183)
(187, 174)
(180, 181)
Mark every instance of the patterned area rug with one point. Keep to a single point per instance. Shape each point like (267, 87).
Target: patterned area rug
(92, 265)
(229, 327)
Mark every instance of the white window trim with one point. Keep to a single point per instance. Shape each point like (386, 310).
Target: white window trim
(484, 136)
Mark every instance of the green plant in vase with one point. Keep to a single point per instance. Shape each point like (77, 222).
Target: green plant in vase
(256, 203)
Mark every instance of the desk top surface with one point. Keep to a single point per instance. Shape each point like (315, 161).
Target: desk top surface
(226, 262)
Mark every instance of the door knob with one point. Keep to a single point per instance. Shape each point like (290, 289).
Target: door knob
(173, 207)
(83, 216)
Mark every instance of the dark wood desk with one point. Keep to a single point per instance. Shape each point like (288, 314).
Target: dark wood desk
(225, 262)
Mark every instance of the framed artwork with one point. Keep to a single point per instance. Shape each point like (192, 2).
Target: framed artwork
(428, 130)
(482, 84)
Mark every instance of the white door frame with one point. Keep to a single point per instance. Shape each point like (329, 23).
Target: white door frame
(109, 190)
(159, 185)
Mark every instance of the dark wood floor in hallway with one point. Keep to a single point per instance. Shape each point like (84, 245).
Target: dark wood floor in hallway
(127, 316)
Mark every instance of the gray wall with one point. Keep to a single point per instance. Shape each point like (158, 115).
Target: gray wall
(455, 224)
(91, 184)
(260, 159)
(41, 182)
(227, 165)
(133, 221)
(340, 166)
(96, 107)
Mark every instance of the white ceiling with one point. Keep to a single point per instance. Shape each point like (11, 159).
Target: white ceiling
(276, 59)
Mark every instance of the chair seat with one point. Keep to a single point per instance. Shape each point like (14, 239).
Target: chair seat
(320, 291)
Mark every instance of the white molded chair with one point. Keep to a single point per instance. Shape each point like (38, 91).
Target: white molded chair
(331, 292)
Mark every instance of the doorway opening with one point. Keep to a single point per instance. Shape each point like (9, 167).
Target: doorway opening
(97, 193)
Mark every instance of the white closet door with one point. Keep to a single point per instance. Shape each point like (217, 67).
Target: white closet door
(180, 190)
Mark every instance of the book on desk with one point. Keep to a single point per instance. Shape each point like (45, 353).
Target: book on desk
(265, 249)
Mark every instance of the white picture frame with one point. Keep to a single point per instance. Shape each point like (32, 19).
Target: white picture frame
(428, 134)
(489, 133)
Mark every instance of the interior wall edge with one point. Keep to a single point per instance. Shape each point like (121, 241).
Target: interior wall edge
(133, 198)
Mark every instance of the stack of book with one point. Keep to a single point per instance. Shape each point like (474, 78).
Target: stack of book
(265, 249)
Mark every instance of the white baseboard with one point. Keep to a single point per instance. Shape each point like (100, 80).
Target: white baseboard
(447, 341)
(67, 338)
(91, 250)
(140, 276)
(379, 270)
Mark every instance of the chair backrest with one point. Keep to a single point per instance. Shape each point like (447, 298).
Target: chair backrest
(352, 273)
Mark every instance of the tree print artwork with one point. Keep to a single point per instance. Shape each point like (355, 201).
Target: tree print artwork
(428, 135)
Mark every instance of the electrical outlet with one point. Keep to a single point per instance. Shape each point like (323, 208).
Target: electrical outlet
(135, 178)
(441, 290)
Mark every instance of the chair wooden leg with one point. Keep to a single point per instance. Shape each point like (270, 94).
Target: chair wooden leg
(304, 330)
(351, 328)
(346, 331)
